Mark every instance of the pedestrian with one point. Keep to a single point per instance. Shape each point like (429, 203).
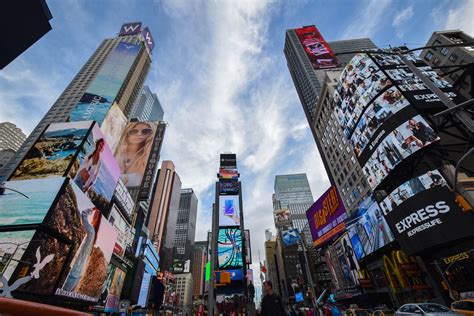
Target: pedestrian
(251, 292)
(272, 305)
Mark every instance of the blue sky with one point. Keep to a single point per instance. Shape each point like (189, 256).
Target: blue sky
(220, 73)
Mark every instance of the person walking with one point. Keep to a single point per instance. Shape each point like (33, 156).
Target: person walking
(272, 305)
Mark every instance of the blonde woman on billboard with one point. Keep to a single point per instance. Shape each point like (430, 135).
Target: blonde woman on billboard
(133, 151)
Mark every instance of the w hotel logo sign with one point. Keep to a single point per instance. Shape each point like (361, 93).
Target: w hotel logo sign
(149, 42)
(130, 28)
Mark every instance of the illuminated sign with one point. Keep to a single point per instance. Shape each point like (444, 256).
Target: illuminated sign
(316, 48)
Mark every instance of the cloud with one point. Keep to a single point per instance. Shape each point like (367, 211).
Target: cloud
(368, 20)
(461, 17)
(400, 19)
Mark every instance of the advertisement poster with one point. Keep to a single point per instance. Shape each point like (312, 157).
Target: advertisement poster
(326, 217)
(282, 217)
(98, 173)
(228, 174)
(406, 139)
(53, 152)
(31, 262)
(248, 249)
(428, 219)
(115, 288)
(93, 242)
(229, 210)
(113, 126)
(347, 260)
(133, 151)
(369, 230)
(31, 206)
(410, 188)
(290, 237)
(124, 199)
(228, 161)
(98, 98)
(228, 188)
(316, 48)
(229, 248)
(123, 229)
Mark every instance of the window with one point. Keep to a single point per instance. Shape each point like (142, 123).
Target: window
(436, 61)
(453, 57)
(444, 51)
(435, 43)
(429, 56)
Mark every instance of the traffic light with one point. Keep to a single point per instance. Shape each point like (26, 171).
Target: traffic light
(461, 201)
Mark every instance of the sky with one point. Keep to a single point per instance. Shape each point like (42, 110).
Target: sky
(219, 71)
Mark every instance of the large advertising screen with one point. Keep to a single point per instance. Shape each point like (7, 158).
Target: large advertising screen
(229, 210)
(113, 126)
(98, 171)
(290, 236)
(228, 188)
(123, 228)
(28, 201)
(53, 152)
(229, 248)
(326, 217)
(316, 48)
(114, 288)
(248, 249)
(282, 217)
(228, 174)
(369, 230)
(124, 199)
(228, 161)
(429, 218)
(98, 98)
(347, 260)
(133, 151)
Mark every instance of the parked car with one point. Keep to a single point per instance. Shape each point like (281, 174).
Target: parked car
(383, 312)
(465, 307)
(429, 309)
(357, 312)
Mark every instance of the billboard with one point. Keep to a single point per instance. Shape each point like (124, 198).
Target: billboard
(99, 96)
(347, 260)
(410, 188)
(130, 28)
(228, 161)
(32, 205)
(98, 171)
(228, 188)
(134, 150)
(369, 230)
(117, 277)
(124, 199)
(152, 165)
(123, 228)
(428, 219)
(326, 217)
(229, 248)
(316, 48)
(403, 141)
(113, 126)
(228, 174)
(290, 236)
(248, 249)
(53, 152)
(148, 39)
(229, 210)
(282, 217)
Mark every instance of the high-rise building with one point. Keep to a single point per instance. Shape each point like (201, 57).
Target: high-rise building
(198, 267)
(291, 189)
(271, 265)
(62, 108)
(163, 212)
(459, 77)
(30, 22)
(312, 86)
(11, 137)
(185, 231)
(184, 288)
(147, 107)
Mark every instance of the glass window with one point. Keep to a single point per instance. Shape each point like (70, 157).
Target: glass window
(428, 56)
(434, 308)
(436, 61)
(435, 43)
(444, 51)
(453, 57)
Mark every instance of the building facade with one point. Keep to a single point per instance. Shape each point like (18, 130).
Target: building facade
(291, 189)
(271, 264)
(185, 231)
(62, 108)
(11, 137)
(198, 267)
(184, 289)
(147, 107)
(459, 77)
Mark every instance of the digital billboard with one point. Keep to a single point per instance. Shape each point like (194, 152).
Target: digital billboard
(228, 174)
(347, 260)
(290, 236)
(134, 150)
(368, 230)
(229, 248)
(131, 28)
(326, 217)
(113, 126)
(53, 152)
(99, 96)
(98, 171)
(228, 188)
(229, 210)
(228, 161)
(410, 188)
(429, 219)
(93, 239)
(31, 206)
(248, 249)
(117, 278)
(124, 199)
(316, 48)
(282, 217)
(123, 229)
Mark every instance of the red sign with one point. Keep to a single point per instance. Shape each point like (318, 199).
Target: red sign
(318, 51)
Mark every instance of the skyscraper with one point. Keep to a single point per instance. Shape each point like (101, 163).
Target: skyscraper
(147, 107)
(185, 231)
(198, 266)
(11, 137)
(291, 189)
(62, 108)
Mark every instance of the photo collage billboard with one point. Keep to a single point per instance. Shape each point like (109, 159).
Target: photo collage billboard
(316, 48)
(326, 217)
(382, 125)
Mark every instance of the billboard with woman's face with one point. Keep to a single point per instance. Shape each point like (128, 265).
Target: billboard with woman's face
(134, 150)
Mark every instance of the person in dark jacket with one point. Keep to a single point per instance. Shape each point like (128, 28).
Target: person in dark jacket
(272, 305)
(251, 289)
